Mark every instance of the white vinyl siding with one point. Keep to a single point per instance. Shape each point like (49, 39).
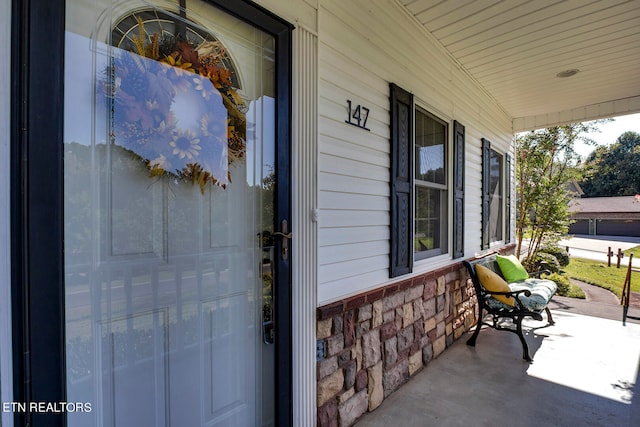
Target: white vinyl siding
(354, 180)
(364, 45)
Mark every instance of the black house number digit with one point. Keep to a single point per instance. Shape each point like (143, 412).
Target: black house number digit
(357, 116)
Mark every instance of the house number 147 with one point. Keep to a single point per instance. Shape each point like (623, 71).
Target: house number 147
(357, 115)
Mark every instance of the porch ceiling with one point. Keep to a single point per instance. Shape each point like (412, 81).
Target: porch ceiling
(515, 49)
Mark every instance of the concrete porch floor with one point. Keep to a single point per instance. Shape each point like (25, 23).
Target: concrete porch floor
(584, 373)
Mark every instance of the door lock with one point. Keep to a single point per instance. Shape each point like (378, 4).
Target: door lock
(285, 236)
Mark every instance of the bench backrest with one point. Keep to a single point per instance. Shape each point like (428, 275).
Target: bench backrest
(488, 261)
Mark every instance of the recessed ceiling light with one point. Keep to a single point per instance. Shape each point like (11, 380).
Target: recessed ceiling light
(567, 73)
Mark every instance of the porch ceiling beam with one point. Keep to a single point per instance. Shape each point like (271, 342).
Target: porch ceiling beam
(618, 107)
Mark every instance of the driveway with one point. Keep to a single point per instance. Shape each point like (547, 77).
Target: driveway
(596, 247)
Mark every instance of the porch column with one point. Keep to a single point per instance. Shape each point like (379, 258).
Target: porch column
(305, 231)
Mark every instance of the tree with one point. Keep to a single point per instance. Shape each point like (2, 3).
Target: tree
(614, 170)
(546, 163)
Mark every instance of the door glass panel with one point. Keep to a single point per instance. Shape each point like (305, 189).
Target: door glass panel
(169, 190)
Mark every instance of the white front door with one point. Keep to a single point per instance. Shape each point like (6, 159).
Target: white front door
(170, 179)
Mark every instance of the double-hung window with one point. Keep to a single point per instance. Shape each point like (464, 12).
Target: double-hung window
(430, 186)
(422, 190)
(495, 195)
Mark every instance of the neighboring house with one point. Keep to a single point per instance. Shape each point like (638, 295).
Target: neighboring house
(264, 224)
(606, 216)
(574, 189)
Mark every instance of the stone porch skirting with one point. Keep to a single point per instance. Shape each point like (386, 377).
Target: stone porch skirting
(370, 344)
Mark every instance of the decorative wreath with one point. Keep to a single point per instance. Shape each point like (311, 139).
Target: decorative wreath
(174, 107)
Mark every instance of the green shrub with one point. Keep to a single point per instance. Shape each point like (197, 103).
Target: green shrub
(563, 283)
(561, 255)
(542, 261)
(565, 288)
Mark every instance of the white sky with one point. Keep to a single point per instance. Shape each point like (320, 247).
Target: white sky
(610, 132)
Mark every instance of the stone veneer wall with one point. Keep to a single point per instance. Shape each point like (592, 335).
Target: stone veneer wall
(372, 343)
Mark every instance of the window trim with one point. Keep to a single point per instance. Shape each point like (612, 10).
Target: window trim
(447, 234)
(401, 259)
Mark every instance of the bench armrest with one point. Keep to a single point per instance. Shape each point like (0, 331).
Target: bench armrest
(514, 294)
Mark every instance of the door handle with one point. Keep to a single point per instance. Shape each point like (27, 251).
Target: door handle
(285, 236)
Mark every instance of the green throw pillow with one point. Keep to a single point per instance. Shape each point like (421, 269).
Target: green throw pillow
(511, 268)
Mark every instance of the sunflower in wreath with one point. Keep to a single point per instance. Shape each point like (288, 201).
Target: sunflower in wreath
(174, 106)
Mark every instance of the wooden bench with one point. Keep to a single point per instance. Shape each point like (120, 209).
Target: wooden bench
(530, 299)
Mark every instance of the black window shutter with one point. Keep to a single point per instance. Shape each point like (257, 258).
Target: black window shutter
(486, 192)
(507, 198)
(401, 239)
(458, 190)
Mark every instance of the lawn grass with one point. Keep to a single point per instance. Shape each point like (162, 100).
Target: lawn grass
(636, 256)
(597, 273)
